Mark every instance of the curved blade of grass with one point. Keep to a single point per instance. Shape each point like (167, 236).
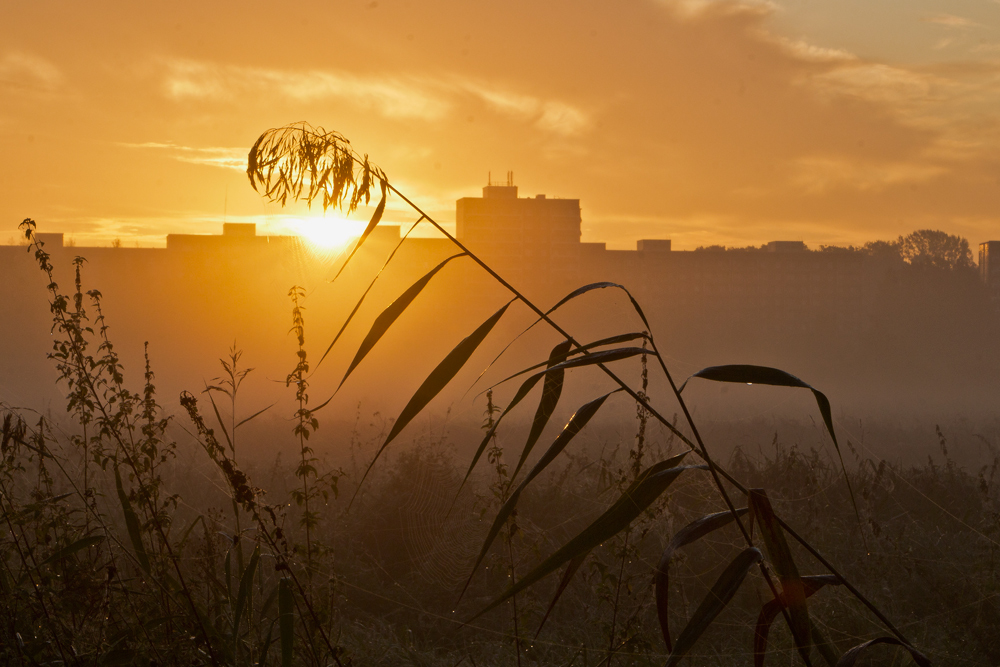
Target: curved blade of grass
(67, 551)
(692, 532)
(793, 592)
(361, 300)
(389, 316)
(610, 340)
(852, 655)
(770, 611)
(357, 305)
(437, 381)
(646, 488)
(748, 374)
(375, 219)
(254, 416)
(568, 573)
(522, 391)
(574, 426)
(594, 358)
(551, 391)
(286, 620)
(569, 297)
(132, 524)
(218, 417)
(246, 584)
(716, 600)
(557, 354)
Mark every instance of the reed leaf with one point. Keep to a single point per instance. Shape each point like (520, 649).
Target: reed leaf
(69, 550)
(714, 602)
(132, 524)
(574, 426)
(566, 299)
(389, 316)
(437, 381)
(770, 611)
(246, 586)
(851, 656)
(692, 532)
(364, 295)
(647, 487)
(592, 359)
(748, 374)
(792, 588)
(372, 224)
(286, 620)
(551, 391)
(568, 573)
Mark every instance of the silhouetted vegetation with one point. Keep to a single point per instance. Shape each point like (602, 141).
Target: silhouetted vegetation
(130, 538)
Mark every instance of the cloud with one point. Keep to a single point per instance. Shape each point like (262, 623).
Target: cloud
(951, 21)
(699, 8)
(387, 96)
(818, 174)
(422, 98)
(228, 158)
(24, 72)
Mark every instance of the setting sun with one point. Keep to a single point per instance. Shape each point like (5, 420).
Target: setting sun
(328, 233)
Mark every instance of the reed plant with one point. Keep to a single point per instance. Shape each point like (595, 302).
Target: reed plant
(104, 561)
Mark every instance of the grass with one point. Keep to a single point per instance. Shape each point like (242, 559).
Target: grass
(114, 552)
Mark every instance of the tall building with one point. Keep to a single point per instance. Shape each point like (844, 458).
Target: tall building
(509, 229)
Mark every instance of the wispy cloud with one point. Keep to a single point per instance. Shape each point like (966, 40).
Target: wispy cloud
(818, 175)
(213, 156)
(24, 72)
(951, 21)
(422, 98)
(387, 96)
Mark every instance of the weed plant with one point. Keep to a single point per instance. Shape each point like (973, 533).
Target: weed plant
(104, 561)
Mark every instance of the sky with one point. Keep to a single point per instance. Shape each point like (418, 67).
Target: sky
(705, 122)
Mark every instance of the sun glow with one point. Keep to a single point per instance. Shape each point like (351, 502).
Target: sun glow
(327, 234)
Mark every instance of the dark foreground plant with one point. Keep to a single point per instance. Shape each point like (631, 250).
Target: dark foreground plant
(302, 162)
(90, 522)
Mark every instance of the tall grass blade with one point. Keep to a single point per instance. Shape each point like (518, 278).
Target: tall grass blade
(375, 219)
(132, 524)
(692, 532)
(528, 385)
(254, 415)
(851, 657)
(364, 295)
(437, 381)
(568, 573)
(748, 374)
(610, 340)
(218, 418)
(793, 592)
(592, 359)
(67, 551)
(551, 391)
(574, 426)
(722, 592)
(770, 611)
(522, 391)
(286, 621)
(388, 316)
(646, 488)
(246, 585)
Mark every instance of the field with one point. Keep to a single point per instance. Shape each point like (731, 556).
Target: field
(133, 536)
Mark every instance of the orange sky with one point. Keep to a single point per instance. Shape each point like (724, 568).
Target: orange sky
(700, 121)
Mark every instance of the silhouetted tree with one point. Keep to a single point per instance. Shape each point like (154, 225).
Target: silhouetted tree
(934, 248)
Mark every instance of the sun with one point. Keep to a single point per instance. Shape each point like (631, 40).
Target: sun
(327, 234)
